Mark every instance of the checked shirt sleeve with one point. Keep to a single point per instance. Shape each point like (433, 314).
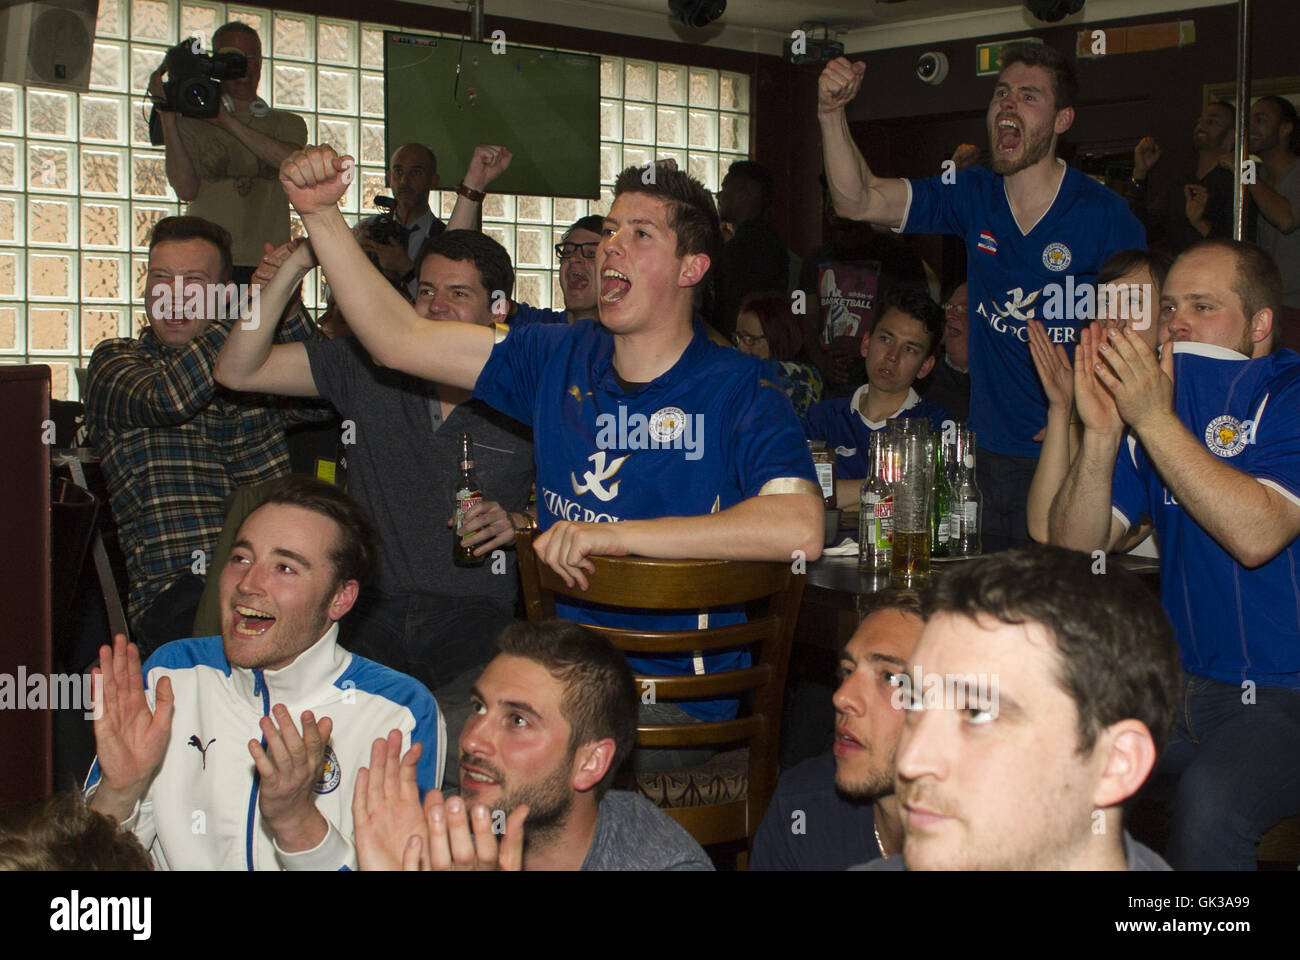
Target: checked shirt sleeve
(128, 388)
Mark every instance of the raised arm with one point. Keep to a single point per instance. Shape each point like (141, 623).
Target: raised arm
(1080, 516)
(249, 361)
(180, 168)
(856, 192)
(393, 333)
(488, 163)
(1059, 445)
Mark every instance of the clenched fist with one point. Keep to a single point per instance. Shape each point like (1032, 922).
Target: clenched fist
(315, 178)
(839, 84)
(1145, 156)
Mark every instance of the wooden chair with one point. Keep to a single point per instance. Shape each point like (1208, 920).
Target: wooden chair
(723, 800)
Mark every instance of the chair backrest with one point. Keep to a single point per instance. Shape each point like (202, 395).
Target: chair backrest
(643, 584)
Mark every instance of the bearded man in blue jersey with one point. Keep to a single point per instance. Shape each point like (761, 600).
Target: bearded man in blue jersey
(1214, 457)
(649, 439)
(1036, 232)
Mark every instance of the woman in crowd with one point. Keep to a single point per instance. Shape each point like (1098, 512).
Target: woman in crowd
(766, 328)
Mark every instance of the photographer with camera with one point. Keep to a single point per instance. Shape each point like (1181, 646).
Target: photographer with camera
(393, 239)
(224, 144)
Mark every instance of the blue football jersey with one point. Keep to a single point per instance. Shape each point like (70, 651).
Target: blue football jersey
(848, 433)
(707, 434)
(1012, 277)
(1232, 624)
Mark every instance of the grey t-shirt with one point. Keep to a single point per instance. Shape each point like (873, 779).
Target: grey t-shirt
(1284, 248)
(633, 834)
(402, 466)
(1137, 856)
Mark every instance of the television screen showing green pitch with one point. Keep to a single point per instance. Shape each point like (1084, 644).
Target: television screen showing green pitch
(543, 105)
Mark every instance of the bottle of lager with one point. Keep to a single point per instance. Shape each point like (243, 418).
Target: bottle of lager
(940, 501)
(467, 493)
(876, 519)
(967, 504)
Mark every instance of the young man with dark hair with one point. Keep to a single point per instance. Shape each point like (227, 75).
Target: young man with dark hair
(1213, 455)
(224, 168)
(426, 616)
(833, 811)
(1039, 696)
(281, 803)
(1196, 206)
(754, 257)
(1030, 224)
(899, 352)
(174, 445)
(611, 404)
(553, 717)
(1273, 128)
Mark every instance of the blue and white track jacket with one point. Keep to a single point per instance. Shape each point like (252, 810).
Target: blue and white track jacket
(201, 811)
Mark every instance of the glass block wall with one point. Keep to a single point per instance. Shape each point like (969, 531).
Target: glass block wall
(80, 185)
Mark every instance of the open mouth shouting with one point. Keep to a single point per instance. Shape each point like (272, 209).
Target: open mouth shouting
(613, 286)
(251, 622)
(1008, 135)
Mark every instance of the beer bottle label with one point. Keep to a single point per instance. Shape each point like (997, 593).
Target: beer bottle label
(825, 472)
(465, 500)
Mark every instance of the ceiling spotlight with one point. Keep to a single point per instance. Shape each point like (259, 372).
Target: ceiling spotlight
(1053, 10)
(697, 13)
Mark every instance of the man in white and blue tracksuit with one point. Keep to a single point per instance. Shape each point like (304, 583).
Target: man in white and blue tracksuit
(240, 751)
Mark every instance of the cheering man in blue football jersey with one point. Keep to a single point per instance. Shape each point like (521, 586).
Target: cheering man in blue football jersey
(1214, 457)
(1036, 232)
(650, 439)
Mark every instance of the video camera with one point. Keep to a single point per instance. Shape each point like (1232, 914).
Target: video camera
(193, 84)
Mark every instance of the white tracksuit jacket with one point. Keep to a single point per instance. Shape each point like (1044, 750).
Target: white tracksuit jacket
(201, 811)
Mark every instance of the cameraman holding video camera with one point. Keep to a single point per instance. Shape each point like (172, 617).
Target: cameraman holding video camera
(224, 151)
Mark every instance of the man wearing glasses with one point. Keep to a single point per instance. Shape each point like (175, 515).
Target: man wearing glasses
(577, 253)
(949, 385)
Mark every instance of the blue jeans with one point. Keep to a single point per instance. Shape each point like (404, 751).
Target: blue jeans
(1004, 484)
(432, 638)
(1238, 772)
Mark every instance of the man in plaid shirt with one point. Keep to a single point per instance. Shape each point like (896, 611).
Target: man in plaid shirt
(173, 443)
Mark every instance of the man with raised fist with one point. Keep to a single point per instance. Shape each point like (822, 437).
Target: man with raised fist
(650, 440)
(1030, 224)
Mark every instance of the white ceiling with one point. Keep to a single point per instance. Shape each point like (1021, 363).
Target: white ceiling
(761, 25)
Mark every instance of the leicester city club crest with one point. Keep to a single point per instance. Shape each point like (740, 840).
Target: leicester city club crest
(330, 775)
(667, 424)
(1056, 256)
(1226, 436)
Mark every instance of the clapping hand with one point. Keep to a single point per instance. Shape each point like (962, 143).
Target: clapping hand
(386, 812)
(130, 739)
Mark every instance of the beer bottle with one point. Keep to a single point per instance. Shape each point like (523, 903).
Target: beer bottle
(967, 503)
(940, 501)
(875, 521)
(467, 492)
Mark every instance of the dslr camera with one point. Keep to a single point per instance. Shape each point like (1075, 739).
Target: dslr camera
(385, 226)
(193, 84)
